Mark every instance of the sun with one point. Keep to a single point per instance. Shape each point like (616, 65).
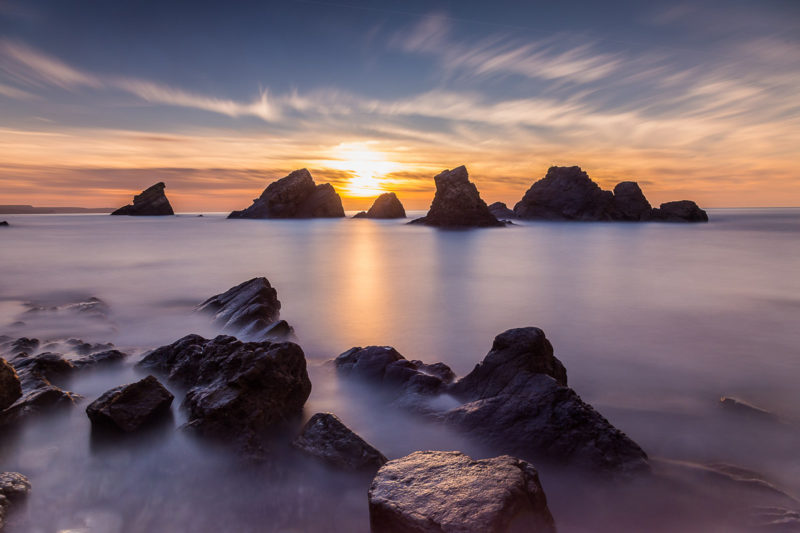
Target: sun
(365, 165)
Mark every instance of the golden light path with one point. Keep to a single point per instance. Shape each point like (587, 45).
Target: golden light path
(365, 165)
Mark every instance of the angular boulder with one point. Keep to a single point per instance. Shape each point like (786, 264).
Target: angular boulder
(565, 193)
(13, 488)
(130, 407)
(250, 309)
(326, 437)
(236, 389)
(501, 211)
(10, 388)
(630, 202)
(680, 211)
(387, 205)
(442, 492)
(295, 196)
(457, 203)
(150, 202)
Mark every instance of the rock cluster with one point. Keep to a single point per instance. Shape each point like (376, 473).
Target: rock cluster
(516, 401)
(295, 196)
(150, 202)
(457, 203)
(567, 193)
(129, 407)
(325, 436)
(387, 205)
(235, 389)
(435, 492)
(13, 488)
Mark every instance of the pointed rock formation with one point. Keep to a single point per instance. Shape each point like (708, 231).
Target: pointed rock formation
(457, 203)
(387, 205)
(150, 202)
(327, 438)
(295, 196)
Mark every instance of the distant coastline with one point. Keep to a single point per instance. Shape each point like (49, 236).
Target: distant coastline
(31, 210)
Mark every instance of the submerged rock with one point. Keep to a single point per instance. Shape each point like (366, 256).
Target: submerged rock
(235, 389)
(438, 492)
(13, 488)
(387, 205)
(10, 388)
(565, 193)
(294, 196)
(740, 407)
(326, 437)
(150, 202)
(630, 203)
(250, 309)
(129, 407)
(680, 211)
(457, 203)
(501, 211)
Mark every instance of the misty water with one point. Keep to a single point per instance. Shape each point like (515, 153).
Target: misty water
(654, 323)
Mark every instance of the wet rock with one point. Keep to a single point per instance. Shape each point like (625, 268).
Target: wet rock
(630, 202)
(10, 388)
(235, 389)
(251, 310)
(565, 193)
(457, 203)
(100, 358)
(387, 205)
(435, 492)
(13, 488)
(294, 196)
(501, 211)
(150, 202)
(325, 436)
(385, 366)
(131, 406)
(24, 345)
(680, 211)
(740, 407)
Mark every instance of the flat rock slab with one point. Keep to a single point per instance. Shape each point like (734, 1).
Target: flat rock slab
(130, 407)
(443, 492)
(326, 437)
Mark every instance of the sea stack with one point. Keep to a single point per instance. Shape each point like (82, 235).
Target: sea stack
(150, 202)
(567, 193)
(457, 203)
(387, 205)
(295, 196)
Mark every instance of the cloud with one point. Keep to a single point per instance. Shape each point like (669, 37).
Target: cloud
(35, 68)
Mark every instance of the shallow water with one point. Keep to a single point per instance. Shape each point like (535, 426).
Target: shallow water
(654, 323)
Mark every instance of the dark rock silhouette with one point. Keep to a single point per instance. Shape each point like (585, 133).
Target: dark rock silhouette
(130, 407)
(235, 389)
(567, 193)
(501, 211)
(457, 203)
(295, 196)
(4, 223)
(435, 492)
(387, 205)
(14, 487)
(10, 388)
(680, 211)
(516, 401)
(251, 310)
(325, 436)
(150, 202)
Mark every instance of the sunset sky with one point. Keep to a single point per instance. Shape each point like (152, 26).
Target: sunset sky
(100, 99)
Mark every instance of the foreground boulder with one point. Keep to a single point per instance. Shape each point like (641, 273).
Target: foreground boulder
(457, 203)
(236, 389)
(13, 488)
(251, 310)
(567, 193)
(150, 202)
(441, 492)
(10, 388)
(515, 401)
(325, 436)
(387, 205)
(129, 407)
(36, 374)
(295, 196)
(501, 211)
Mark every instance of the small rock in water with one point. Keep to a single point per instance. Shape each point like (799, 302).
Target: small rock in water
(132, 406)
(737, 406)
(501, 211)
(4, 223)
(13, 488)
(387, 205)
(442, 492)
(680, 211)
(150, 202)
(326, 437)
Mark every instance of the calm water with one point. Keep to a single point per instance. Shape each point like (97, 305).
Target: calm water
(654, 323)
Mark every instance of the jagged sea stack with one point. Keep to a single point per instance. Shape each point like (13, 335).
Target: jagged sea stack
(457, 203)
(150, 202)
(295, 196)
(387, 205)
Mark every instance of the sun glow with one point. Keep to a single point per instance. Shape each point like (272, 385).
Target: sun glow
(365, 166)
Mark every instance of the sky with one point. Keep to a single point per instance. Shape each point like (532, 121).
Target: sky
(99, 99)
